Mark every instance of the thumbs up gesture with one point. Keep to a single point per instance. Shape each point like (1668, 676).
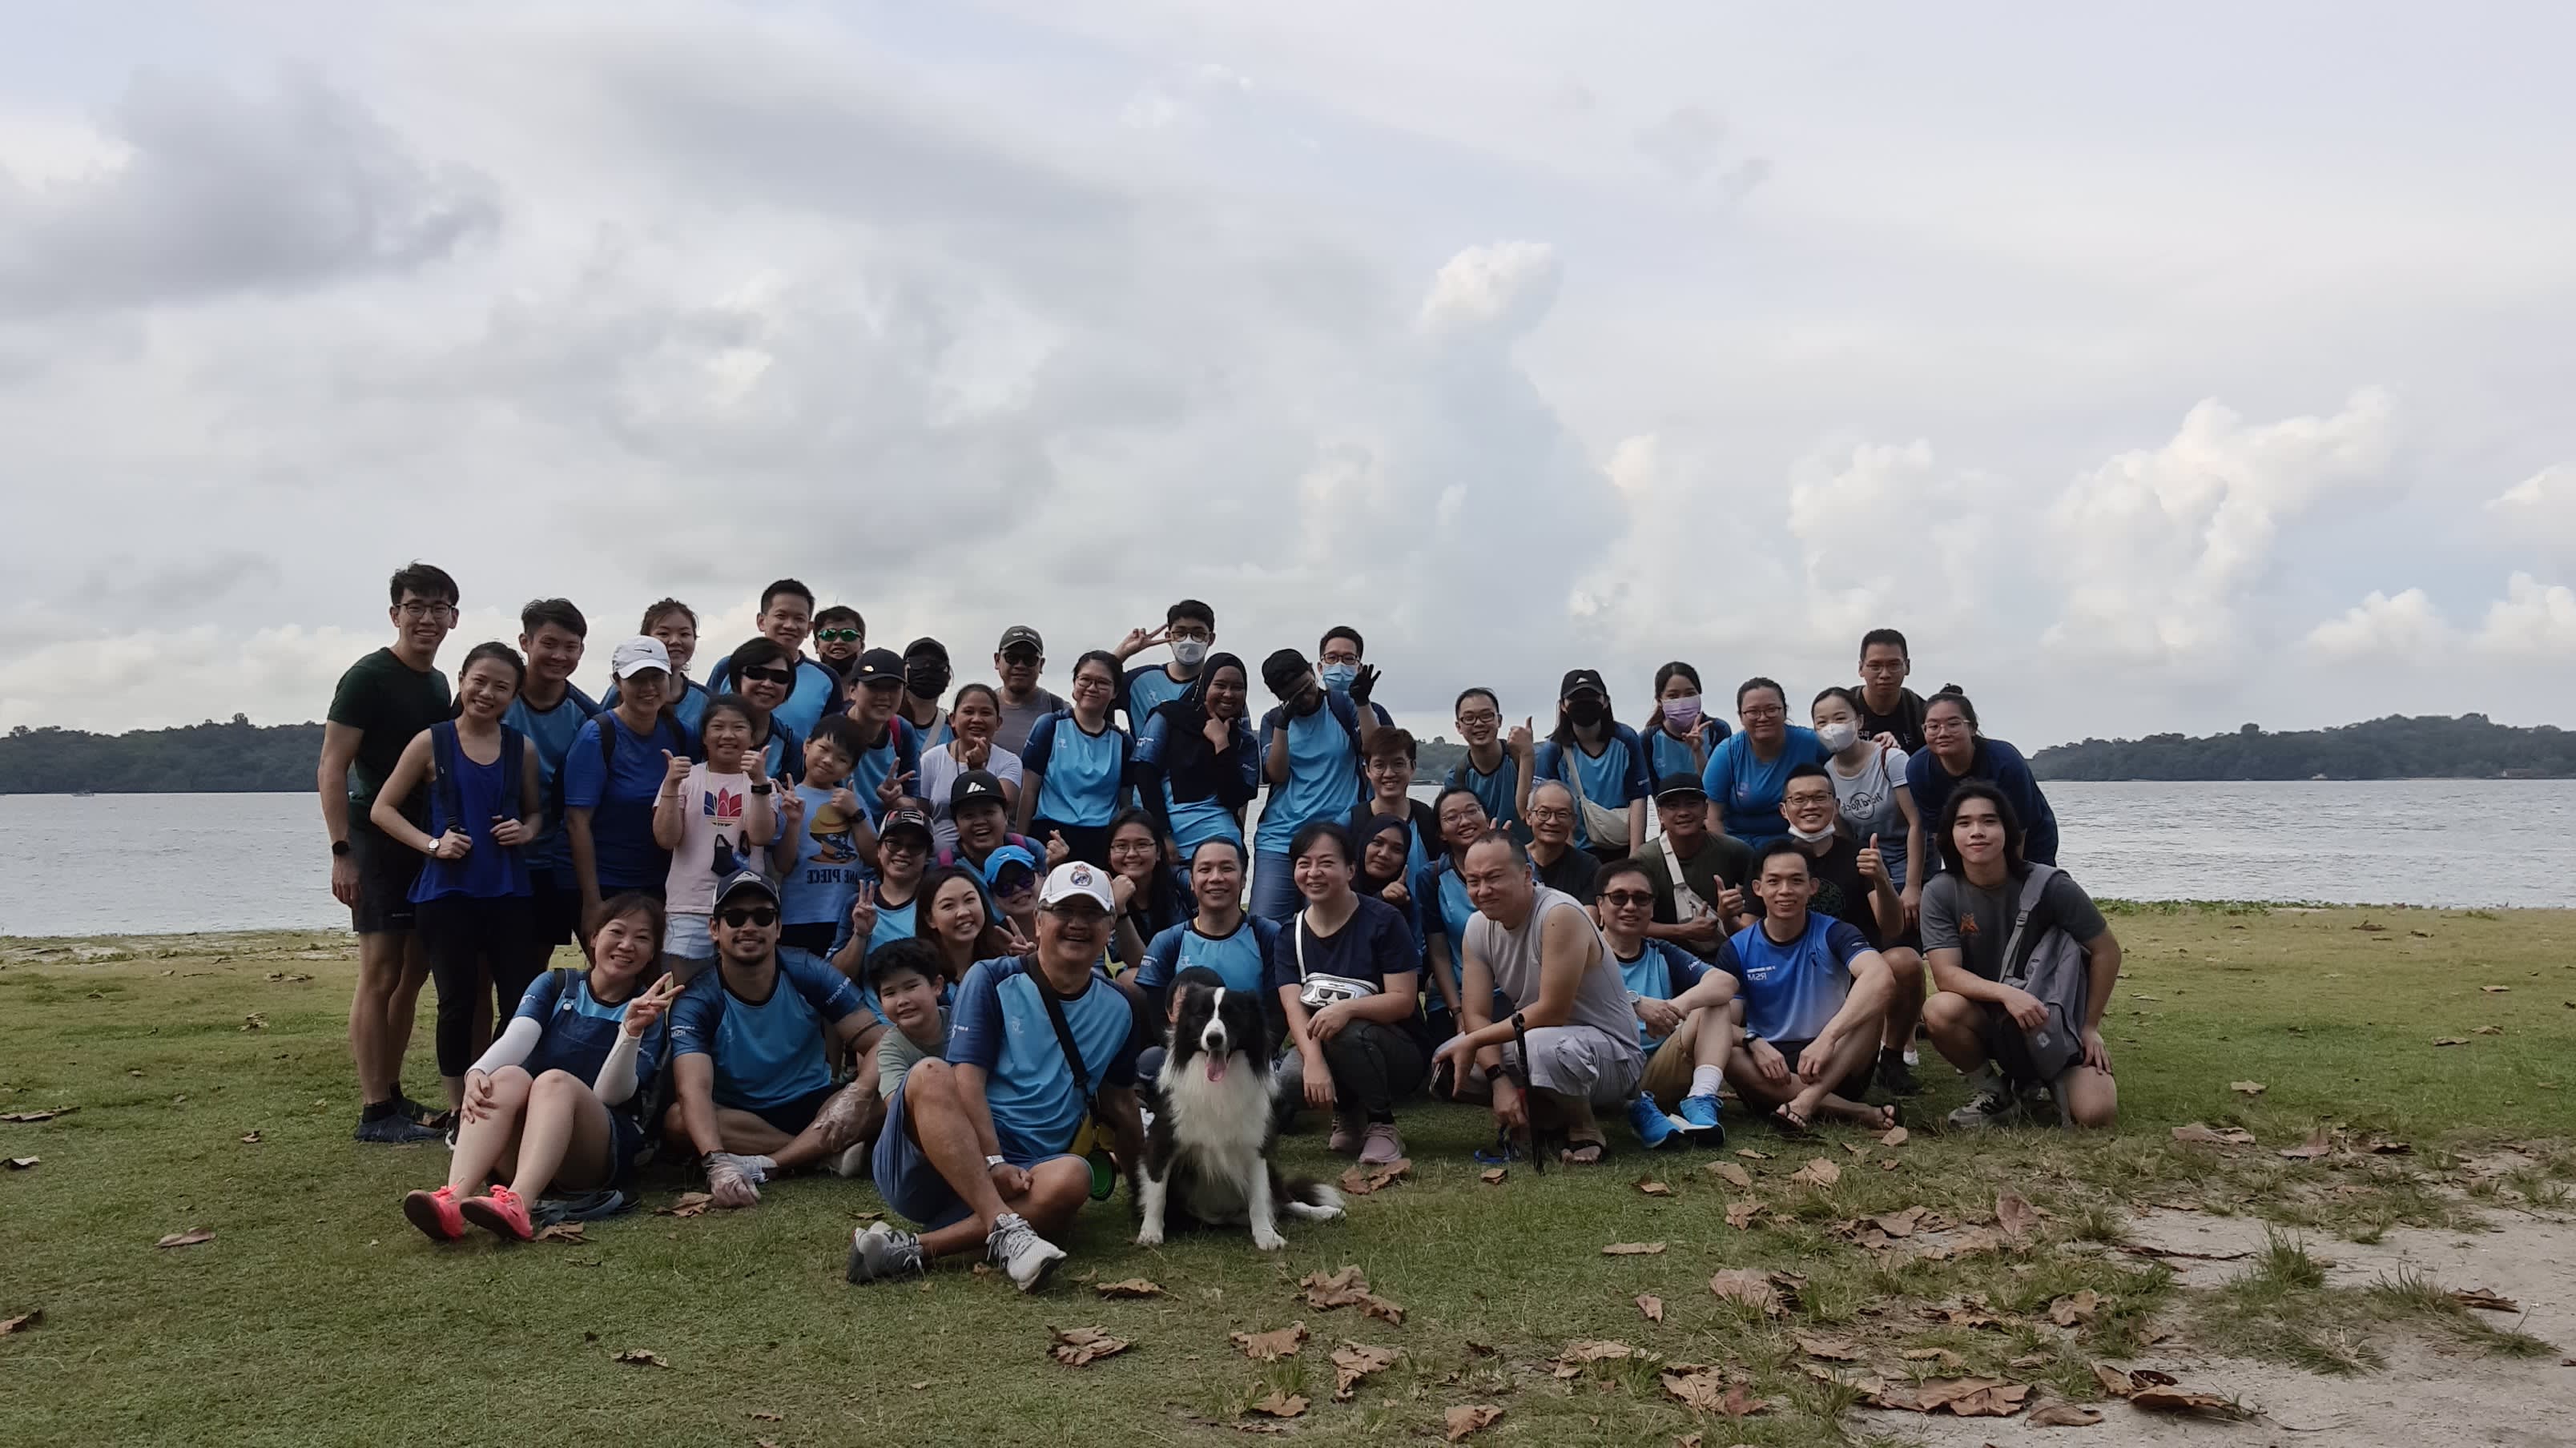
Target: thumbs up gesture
(675, 769)
(1873, 866)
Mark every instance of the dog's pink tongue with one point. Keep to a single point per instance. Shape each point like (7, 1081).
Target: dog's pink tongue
(1216, 1068)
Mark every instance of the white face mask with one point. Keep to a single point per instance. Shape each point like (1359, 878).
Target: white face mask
(1838, 737)
(1806, 837)
(1190, 652)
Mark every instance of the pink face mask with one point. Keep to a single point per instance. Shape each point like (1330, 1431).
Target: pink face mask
(1682, 712)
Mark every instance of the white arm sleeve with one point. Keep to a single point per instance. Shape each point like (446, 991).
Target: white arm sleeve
(513, 1046)
(617, 1074)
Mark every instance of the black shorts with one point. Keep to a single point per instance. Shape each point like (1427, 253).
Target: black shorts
(2007, 1046)
(1853, 1088)
(554, 911)
(1089, 843)
(387, 869)
(814, 938)
(794, 1116)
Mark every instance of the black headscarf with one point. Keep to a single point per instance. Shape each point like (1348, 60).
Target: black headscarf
(1374, 826)
(1189, 765)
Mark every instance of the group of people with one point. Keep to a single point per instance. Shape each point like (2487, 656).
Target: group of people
(844, 913)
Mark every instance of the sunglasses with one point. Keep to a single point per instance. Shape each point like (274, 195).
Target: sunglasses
(839, 635)
(740, 916)
(771, 674)
(1628, 900)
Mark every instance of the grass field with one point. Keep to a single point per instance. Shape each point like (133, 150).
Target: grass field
(316, 1315)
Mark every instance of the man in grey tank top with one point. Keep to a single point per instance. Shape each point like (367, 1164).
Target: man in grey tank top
(1540, 949)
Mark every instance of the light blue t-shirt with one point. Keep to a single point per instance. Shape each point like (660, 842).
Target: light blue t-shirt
(552, 731)
(1149, 688)
(620, 800)
(579, 1032)
(826, 875)
(1792, 991)
(817, 689)
(1001, 1026)
(766, 1053)
(1498, 792)
(1084, 773)
(1195, 822)
(1440, 895)
(1667, 756)
(1324, 779)
(1241, 958)
(1612, 779)
(1747, 790)
(873, 767)
(1661, 971)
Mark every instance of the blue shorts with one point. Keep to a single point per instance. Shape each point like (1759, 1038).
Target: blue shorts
(792, 1117)
(911, 1186)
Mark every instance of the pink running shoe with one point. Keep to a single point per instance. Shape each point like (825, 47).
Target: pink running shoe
(435, 1214)
(501, 1213)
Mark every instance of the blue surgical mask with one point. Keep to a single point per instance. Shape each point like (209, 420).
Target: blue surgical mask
(1339, 677)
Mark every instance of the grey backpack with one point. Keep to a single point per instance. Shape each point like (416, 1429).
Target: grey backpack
(2050, 965)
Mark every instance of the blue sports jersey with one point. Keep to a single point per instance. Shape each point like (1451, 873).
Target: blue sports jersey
(1001, 1026)
(1792, 991)
(1498, 792)
(1747, 790)
(1440, 893)
(1148, 688)
(1085, 773)
(552, 731)
(1667, 756)
(1324, 779)
(1195, 822)
(620, 800)
(1661, 971)
(818, 889)
(1241, 958)
(579, 1031)
(817, 689)
(1612, 779)
(896, 751)
(766, 1053)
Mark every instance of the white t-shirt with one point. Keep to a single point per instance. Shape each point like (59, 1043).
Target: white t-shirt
(939, 773)
(1869, 806)
(711, 840)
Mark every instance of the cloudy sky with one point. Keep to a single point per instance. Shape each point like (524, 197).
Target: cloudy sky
(2156, 367)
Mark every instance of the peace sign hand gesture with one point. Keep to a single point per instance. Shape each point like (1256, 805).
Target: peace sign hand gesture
(1140, 639)
(644, 1010)
(892, 789)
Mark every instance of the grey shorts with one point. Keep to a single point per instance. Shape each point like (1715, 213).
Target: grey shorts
(1582, 1061)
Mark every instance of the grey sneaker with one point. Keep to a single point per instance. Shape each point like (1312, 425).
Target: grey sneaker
(1992, 1106)
(880, 1252)
(1016, 1248)
(395, 1129)
(1379, 1144)
(1346, 1133)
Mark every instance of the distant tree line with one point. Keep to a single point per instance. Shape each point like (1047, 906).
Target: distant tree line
(239, 756)
(2397, 747)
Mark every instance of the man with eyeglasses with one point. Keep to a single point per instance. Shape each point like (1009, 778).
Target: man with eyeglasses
(1886, 705)
(1498, 769)
(1699, 877)
(1189, 626)
(1018, 660)
(1853, 885)
(379, 705)
(1560, 865)
(1681, 1004)
(753, 1043)
(840, 636)
(1815, 997)
(786, 615)
(987, 1148)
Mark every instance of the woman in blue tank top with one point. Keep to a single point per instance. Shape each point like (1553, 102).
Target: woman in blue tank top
(486, 801)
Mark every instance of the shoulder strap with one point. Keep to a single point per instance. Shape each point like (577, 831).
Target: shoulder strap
(2032, 888)
(443, 753)
(564, 977)
(607, 719)
(1063, 1032)
(514, 761)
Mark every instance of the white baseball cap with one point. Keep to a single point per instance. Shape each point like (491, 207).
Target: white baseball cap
(1078, 877)
(638, 654)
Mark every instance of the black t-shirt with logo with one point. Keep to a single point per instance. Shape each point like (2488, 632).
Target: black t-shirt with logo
(1905, 721)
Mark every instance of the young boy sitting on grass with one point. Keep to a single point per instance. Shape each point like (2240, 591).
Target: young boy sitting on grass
(909, 987)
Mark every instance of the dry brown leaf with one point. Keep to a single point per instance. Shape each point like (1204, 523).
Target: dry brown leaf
(2062, 1415)
(1076, 1346)
(255, 1021)
(1973, 1313)
(1270, 1347)
(2079, 1307)
(1740, 1215)
(1378, 1307)
(1889, 1165)
(1855, 1148)
(1493, 1176)
(1474, 1418)
(1686, 1440)
(2483, 1300)
(2488, 1031)
(2025, 1364)
(1940, 1357)
(1740, 1403)
(2176, 1400)
(1653, 1188)
(1132, 1287)
(1731, 1174)
(1703, 1391)
(1352, 1362)
(1280, 1405)
(560, 1232)
(21, 1163)
(2204, 1136)
(1360, 1181)
(2495, 989)
(1578, 1355)
(2014, 1213)
(188, 1238)
(1901, 1225)
(1334, 1289)
(1818, 1172)
(21, 1322)
(1753, 1289)
(2113, 1381)
(2451, 1041)
(2246, 1088)
(1651, 1305)
(638, 1357)
(37, 1115)
(1749, 1154)
(250, 1138)
(1831, 1349)
(1962, 1397)
(689, 1204)
(768, 1417)
(1633, 1249)
(1896, 1136)
(2319, 1144)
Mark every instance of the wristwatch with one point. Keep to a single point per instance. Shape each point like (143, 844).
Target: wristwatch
(991, 1162)
(339, 848)
(1749, 1037)
(762, 788)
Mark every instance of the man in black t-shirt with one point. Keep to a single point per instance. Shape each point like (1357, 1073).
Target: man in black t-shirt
(1886, 705)
(1551, 849)
(1699, 877)
(383, 701)
(1852, 885)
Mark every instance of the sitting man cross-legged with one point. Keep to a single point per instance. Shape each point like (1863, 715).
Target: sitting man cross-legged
(753, 1044)
(1569, 1006)
(1680, 1002)
(986, 1149)
(1814, 996)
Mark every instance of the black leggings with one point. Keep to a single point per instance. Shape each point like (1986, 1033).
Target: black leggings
(1374, 1065)
(466, 938)
(1088, 842)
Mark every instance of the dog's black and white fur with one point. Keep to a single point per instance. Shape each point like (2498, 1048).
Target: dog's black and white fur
(1207, 1155)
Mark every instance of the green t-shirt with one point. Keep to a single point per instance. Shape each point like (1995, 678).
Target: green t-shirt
(388, 702)
(897, 1055)
(1722, 863)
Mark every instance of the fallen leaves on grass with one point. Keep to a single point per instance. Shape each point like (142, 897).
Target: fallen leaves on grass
(1731, 1174)
(762, 1416)
(1651, 1305)
(1749, 1154)
(1493, 1176)
(1960, 1397)
(1753, 1289)
(2075, 1308)
(1901, 1225)
(1708, 1391)
(1740, 1215)
(255, 1021)
(2128, 1384)
(2488, 1031)
(32, 1116)
(1648, 1186)
(637, 1357)
(1280, 1405)
(2062, 1415)
(1818, 1172)
(1474, 1418)
(1348, 1287)
(1353, 1362)
(2319, 1144)
(1270, 1347)
(1360, 1181)
(1633, 1249)
(2495, 989)
(1076, 1346)
(2450, 1040)
(1580, 1355)
(1973, 1311)
(188, 1238)
(2015, 1214)
(2199, 1135)
(2246, 1088)
(2483, 1300)
(2138, 1250)
(21, 1163)
(2176, 1400)
(1896, 1136)
(1831, 1349)
(1132, 1287)
(690, 1204)
(560, 1232)
(21, 1322)
(250, 1138)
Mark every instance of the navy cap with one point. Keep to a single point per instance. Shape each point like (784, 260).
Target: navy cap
(878, 666)
(741, 880)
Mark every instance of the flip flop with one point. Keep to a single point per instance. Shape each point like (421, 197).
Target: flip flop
(1790, 1122)
(1600, 1150)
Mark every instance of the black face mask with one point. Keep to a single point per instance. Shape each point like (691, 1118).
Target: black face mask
(926, 681)
(1587, 711)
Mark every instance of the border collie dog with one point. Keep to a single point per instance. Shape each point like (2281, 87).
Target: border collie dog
(1207, 1156)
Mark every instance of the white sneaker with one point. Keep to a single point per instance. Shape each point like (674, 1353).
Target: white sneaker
(1016, 1248)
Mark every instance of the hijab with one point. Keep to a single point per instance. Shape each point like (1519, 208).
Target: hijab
(1190, 767)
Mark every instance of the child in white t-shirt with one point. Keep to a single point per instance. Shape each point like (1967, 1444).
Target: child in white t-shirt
(714, 818)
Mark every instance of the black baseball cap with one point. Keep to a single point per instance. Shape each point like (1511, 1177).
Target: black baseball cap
(1678, 787)
(926, 647)
(878, 666)
(975, 786)
(1577, 680)
(741, 880)
(1283, 670)
(1020, 635)
(904, 819)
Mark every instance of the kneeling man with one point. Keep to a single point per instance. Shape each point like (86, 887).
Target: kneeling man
(1814, 996)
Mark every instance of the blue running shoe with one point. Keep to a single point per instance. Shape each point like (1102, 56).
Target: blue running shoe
(1654, 1129)
(1700, 1116)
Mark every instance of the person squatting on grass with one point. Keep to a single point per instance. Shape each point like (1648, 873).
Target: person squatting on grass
(1815, 997)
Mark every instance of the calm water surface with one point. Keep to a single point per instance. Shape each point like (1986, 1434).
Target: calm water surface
(179, 862)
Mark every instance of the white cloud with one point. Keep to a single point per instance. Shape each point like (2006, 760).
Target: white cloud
(2403, 629)
(2542, 506)
(1498, 290)
(2531, 622)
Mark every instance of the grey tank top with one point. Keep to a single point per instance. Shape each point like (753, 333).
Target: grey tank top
(1600, 1000)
